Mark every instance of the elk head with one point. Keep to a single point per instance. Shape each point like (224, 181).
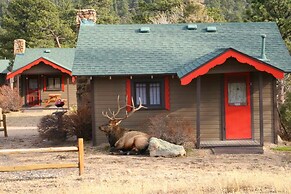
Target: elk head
(112, 129)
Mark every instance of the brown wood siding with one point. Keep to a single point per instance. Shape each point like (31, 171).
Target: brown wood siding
(231, 65)
(182, 99)
(267, 107)
(41, 69)
(105, 97)
(210, 108)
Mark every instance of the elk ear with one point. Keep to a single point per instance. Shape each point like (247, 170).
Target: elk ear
(117, 123)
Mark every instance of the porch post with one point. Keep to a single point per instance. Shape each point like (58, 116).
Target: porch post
(94, 141)
(198, 99)
(17, 83)
(261, 108)
(68, 92)
(275, 112)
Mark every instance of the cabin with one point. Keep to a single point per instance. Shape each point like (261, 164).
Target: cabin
(43, 75)
(220, 76)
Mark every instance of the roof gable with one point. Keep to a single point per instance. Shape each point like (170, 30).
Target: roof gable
(36, 62)
(202, 65)
(61, 58)
(165, 49)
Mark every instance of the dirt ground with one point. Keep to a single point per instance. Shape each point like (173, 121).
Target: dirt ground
(200, 171)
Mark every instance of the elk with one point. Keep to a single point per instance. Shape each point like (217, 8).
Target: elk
(123, 139)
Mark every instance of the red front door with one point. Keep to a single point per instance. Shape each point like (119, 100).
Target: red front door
(237, 106)
(32, 92)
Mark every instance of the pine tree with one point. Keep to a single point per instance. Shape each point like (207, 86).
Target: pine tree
(36, 21)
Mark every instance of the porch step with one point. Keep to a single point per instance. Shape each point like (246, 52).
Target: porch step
(238, 150)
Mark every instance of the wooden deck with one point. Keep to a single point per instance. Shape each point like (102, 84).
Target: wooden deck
(229, 143)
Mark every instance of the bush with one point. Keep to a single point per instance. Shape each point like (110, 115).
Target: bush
(61, 125)
(9, 99)
(173, 129)
(51, 128)
(285, 118)
(79, 123)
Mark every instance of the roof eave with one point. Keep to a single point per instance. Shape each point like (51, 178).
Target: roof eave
(221, 58)
(36, 62)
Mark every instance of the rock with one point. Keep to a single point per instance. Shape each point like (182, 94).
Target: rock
(158, 147)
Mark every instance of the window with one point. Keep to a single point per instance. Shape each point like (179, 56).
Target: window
(150, 92)
(237, 95)
(54, 83)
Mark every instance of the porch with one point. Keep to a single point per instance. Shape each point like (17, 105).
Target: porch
(229, 143)
(233, 147)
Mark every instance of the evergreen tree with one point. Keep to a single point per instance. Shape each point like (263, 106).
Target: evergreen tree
(228, 10)
(273, 10)
(36, 21)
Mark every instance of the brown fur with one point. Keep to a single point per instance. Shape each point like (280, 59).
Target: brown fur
(133, 141)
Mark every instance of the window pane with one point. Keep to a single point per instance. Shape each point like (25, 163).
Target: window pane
(50, 84)
(140, 92)
(33, 84)
(57, 83)
(155, 94)
(237, 94)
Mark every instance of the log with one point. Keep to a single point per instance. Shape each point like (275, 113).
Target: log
(39, 150)
(37, 167)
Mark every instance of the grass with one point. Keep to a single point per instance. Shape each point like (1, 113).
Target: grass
(239, 181)
(282, 148)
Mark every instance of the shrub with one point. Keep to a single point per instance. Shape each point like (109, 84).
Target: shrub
(51, 128)
(9, 99)
(79, 123)
(285, 118)
(173, 129)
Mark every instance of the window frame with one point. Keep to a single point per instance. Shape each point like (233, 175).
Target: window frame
(54, 85)
(148, 82)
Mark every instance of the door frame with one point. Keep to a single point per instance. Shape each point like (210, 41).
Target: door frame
(27, 77)
(223, 99)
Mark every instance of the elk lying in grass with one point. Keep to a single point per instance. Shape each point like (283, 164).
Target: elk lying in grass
(123, 139)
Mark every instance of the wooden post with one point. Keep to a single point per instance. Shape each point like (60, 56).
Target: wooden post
(261, 109)
(198, 96)
(276, 119)
(68, 93)
(81, 156)
(93, 115)
(5, 126)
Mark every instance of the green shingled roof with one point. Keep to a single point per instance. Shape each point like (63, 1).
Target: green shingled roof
(3, 66)
(168, 48)
(63, 57)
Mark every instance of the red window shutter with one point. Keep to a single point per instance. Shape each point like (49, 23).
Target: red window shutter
(128, 95)
(63, 83)
(167, 92)
(44, 83)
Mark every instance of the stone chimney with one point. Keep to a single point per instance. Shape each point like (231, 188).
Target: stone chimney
(19, 46)
(86, 16)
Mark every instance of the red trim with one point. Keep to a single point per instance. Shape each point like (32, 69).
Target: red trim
(63, 82)
(74, 79)
(242, 58)
(167, 93)
(36, 62)
(128, 95)
(44, 83)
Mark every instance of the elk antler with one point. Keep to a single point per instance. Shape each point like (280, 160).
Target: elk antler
(119, 108)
